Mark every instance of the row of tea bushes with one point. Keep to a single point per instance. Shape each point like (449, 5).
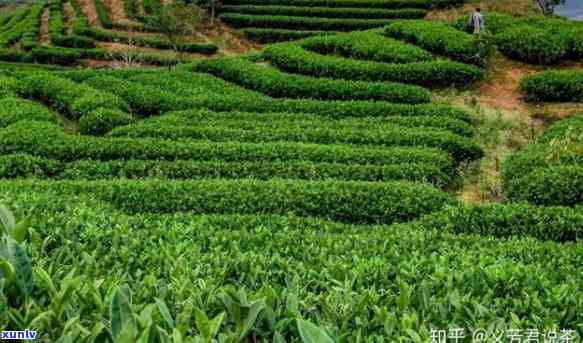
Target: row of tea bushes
(270, 35)
(325, 12)
(28, 166)
(349, 202)
(554, 85)
(247, 120)
(277, 84)
(49, 141)
(300, 23)
(561, 224)
(554, 167)
(461, 148)
(436, 73)
(387, 4)
(197, 90)
(368, 45)
(441, 39)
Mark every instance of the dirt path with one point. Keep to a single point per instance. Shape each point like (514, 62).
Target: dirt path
(501, 91)
(88, 7)
(166, 2)
(44, 38)
(68, 17)
(116, 10)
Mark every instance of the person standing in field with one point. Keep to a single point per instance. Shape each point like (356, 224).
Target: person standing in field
(477, 22)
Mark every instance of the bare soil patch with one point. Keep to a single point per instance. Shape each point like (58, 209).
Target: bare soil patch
(44, 38)
(88, 7)
(68, 17)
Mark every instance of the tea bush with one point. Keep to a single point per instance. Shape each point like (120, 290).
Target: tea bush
(272, 82)
(441, 39)
(554, 86)
(293, 58)
(101, 121)
(532, 45)
(325, 12)
(49, 141)
(270, 35)
(300, 23)
(367, 46)
(74, 99)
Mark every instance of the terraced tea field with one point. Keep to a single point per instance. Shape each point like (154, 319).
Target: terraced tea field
(305, 193)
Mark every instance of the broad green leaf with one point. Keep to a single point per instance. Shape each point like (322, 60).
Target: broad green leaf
(215, 324)
(165, 312)
(18, 233)
(311, 333)
(7, 219)
(15, 254)
(249, 321)
(122, 319)
(6, 269)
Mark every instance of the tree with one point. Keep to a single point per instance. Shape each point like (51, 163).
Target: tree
(211, 6)
(178, 22)
(548, 6)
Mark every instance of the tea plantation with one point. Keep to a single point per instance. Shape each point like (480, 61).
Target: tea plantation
(304, 193)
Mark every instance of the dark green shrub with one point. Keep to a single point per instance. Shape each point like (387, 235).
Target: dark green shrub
(74, 41)
(59, 56)
(101, 121)
(27, 166)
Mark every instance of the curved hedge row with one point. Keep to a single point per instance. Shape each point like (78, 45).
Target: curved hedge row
(103, 120)
(67, 96)
(442, 39)
(143, 100)
(367, 46)
(300, 121)
(554, 86)
(14, 109)
(351, 202)
(300, 23)
(295, 59)
(550, 171)
(461, 148)
(518, 220)
(266, 36)
(557, 185)
(49, 141)
(389, 4)
(325, 12)
(26, 166)
(271, 81)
